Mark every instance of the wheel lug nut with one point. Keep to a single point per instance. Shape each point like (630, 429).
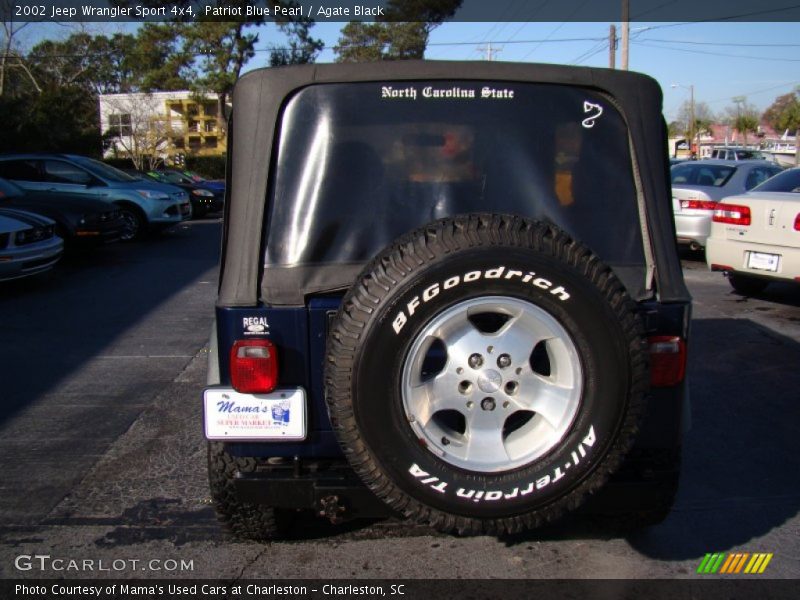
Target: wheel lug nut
(504, 361)
(511, 388)
(487, 404)
(465, 387)
(475, 361)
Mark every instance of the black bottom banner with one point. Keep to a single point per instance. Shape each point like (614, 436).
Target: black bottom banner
(408, 589)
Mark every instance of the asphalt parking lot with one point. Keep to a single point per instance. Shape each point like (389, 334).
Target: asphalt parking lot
(102, 364)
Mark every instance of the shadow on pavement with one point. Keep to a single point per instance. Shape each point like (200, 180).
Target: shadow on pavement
(739, 479)
(52, 326)
(780, 292)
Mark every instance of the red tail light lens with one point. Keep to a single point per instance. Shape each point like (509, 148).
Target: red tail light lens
(667, 360)
(731, 213)
(797, 222)
(254, 366)
(699, 204)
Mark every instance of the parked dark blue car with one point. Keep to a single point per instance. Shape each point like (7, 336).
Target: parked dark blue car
(145, 205)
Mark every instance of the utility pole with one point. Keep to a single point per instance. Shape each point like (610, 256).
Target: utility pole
(626, 30)
(612, 46)
(692, 119)
(739, 101)
(489, 51)
(692, 150)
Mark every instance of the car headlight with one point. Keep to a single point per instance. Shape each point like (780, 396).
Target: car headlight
(29, 236)
(203, 193)
(153, 194)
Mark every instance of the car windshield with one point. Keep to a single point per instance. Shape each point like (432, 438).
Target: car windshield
(173, 177)
(749, 155)
(9, 190)
(104, 171)
(195, 177)
(701, 174)
(788, 181)
(158, 176)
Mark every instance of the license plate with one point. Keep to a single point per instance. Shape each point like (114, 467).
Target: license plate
(279, 415)
(762, 261)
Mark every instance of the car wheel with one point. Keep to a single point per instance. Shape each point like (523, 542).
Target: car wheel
(245, 520)
(746, 285)
(485, 374)
(132, 228)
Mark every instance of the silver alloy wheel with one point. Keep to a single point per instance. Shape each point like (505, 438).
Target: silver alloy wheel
(486, 408)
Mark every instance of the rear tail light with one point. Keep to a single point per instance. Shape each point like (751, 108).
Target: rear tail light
(254, 366)
(699, 204)
(716, 267)
(732, 214)
(667, 360)
(797, 222)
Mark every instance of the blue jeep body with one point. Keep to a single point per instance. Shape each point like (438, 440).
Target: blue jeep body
(313, 195)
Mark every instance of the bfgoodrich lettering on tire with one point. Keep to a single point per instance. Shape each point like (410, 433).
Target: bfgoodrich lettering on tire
(485, 374)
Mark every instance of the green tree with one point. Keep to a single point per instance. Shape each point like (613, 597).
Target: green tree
(57, 119)
(302, 49)
(703, 118)
(223, 49)
(743, 117)
(96, 64)
(11, 60)
(784, 114)
(162, 62)
(402, 34)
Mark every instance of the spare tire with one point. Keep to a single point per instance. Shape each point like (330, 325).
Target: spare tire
(485, 374)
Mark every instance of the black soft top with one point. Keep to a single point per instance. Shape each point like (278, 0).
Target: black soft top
(261, 96)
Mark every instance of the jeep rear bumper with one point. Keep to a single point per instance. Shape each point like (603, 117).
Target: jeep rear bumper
(333, 491)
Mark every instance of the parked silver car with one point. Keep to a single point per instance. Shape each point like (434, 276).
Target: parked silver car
(697, 186)
(28, 244)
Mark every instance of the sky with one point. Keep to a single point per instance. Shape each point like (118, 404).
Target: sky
(759, 61)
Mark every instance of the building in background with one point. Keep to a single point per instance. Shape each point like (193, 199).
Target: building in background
(161, 127)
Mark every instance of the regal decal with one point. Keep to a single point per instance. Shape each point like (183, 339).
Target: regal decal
(255, 325)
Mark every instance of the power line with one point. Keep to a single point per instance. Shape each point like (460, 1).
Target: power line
(199, 53)
(597, 48)
(771, 58)
(756, 92)
(743, 44)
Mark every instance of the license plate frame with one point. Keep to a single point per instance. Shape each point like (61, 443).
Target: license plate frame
(229, 415)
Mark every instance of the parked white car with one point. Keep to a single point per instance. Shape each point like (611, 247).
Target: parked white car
(755, 237)
(698, 185)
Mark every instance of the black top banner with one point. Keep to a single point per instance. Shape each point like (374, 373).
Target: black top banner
(371, 10)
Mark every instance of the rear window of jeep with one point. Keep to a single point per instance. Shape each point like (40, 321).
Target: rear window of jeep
(359, 164)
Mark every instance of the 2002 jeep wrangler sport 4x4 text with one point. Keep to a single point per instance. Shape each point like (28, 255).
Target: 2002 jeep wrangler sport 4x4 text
(449, 292)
